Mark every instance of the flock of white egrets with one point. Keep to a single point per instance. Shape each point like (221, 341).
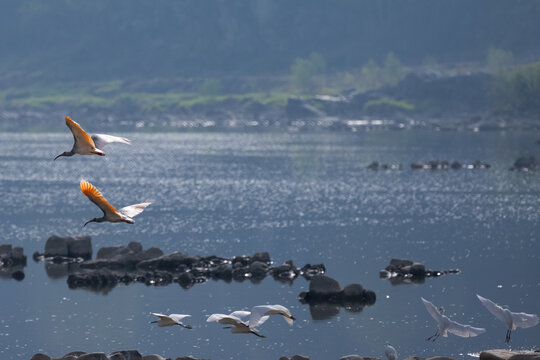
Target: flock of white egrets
(512, 320)
(235, 320)
(85, 144)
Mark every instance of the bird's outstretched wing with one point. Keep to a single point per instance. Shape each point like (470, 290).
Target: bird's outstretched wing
(524, 320)
(240, 314)
(493, 308)
(464, 330)
(161, 316)
(178, 317)
(79, 135)
(100, 140)
(433, 311)
(257, 313)
(95, 196)
(224, 319)
(134, 210)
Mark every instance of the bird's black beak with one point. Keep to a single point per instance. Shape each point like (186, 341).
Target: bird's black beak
(292, 318)
(188, 326)
(89, 221)
(62, 154)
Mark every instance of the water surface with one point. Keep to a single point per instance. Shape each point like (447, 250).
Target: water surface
(305, 197)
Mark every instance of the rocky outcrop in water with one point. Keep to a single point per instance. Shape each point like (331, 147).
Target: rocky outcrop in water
(117, 355)
(403, 271)
(325, 297)
(375, 166)
(68, 247)
(526, 163)
(445, 165)
(295, 357)
(129, 264)
(500, 354)
(12, 262)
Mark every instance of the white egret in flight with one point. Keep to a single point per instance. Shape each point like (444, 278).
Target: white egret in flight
(85, 144)
(237, 325)
(390, 352)
(170, 320)
(257, 312)
(512, 320)
(125, 214)
(445, 325)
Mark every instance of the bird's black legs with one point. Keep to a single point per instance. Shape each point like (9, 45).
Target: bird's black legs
(434, 336)
(508, 332)
(259, 335)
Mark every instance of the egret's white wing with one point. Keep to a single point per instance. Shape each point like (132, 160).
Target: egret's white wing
(524, 320)
(100, 140)
(390, 352)
(240, 314)
(433, 311)
(79, 135)
(464, 330)
(224, 319)
(161, 316)
(493, 308)
(257, 312)
(134, 210)
(178, 317)
(261, 321)
(215, 317)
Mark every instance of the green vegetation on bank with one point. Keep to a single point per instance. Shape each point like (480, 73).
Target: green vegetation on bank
(513, 88)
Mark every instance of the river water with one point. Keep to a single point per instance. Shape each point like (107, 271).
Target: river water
(305, 197)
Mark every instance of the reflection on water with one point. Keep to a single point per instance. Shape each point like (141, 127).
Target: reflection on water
(307, 197)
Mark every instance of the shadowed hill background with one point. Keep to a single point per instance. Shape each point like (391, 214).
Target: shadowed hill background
(101, 39)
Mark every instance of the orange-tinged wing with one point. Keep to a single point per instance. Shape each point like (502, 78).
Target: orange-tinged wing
(79, 134)
(95, 196)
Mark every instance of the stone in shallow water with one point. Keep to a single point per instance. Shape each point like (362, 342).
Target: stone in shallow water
(499, 354)
(323, 285)
(129, 354)
(93, 356)
(40, 357)
(153, 357)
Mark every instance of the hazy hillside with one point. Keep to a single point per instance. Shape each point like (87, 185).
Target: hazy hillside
(98, 40)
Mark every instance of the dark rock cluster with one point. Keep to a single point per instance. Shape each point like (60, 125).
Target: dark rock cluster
(129, 264)
(325, 297)
(526, 163)
(117, 355)
(12, 262)
(376, 166)
(445, 165)
(403, 271)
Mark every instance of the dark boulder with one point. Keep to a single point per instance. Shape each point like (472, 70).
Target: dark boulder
(128, 354)
(526, 163)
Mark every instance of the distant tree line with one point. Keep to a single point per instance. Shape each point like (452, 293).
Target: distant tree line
(102, 39)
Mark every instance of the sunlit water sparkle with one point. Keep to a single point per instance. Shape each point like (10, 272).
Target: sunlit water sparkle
(305, 197)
